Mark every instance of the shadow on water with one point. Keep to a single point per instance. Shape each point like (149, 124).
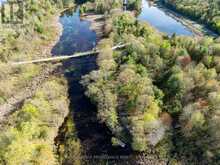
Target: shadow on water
(95, 137)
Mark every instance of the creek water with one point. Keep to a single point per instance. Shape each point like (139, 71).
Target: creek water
(94, 137)
(77, 37)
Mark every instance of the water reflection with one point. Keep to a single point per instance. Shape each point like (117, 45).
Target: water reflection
(160, 20)
(76, 36)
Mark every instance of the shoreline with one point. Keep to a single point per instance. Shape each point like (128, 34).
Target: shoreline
(59, 30)
(97, 24)
(197, 29)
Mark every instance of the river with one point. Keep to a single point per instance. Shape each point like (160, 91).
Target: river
(76, 37)
(161, 21)
(94, 137)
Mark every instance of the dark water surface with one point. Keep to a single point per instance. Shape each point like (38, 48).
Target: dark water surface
(76, 36)
(161, 21)
(94, 137)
